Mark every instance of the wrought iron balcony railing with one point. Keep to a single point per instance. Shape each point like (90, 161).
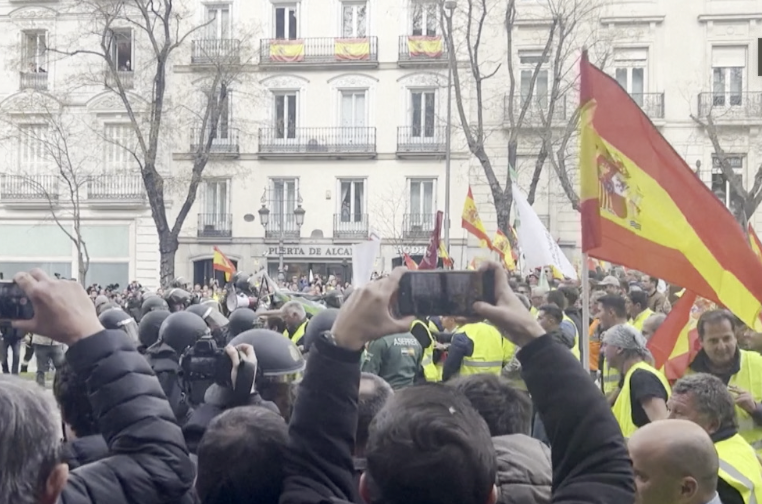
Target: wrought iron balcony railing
(418, 226)
(30, 187)
(417, 49)
(34, 80)
(125, 77)
(421, 139)
(315, 141)
(215, 225)
(651, 103)
(282, 226)
(216, 51)
(731, 106)
(224, 142)
(537, 111)
(325, 50)
(116, 187)
(350, 226)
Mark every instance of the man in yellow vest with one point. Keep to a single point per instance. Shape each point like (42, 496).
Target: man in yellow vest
(476, 347)
(538, 299)
(568, 326)
(612, 311)
(739, 369)
(637, 309)
(295, 319)
(705, 400)
(422, 332)
(643, 390)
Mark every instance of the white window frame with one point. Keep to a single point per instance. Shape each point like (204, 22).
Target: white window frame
(738, 170)
(411, 109)
(219, 35)
(114, 48)
(426, 7)
(218, 183)
(117, 147)
(272, 182)
(220, 138)
(297, 119)
(355, 4)
(419, 211)
(629, 59)
(37, 163)
(528, 59)
(727, 64)
(353, 91)
(352, 214)
(295, 7)
(40, 60)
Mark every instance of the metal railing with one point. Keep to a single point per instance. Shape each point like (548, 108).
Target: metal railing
(116, 187)
(215, 225)
(282, 225)
(225, 141)
(537, 112)
(730, 106)
(417, 226)
(341, 140)
(651, 103)
(29, 187)
(318, 50)
(350, 226)
(216, 51)
(125, 77)
(422, 49)
(34, 80)
(421, 139)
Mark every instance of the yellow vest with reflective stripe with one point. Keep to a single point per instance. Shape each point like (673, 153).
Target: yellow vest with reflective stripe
(622, 408)
(638, 321)
(297, 334)
(740, 469)
(610, 376)
(575, 348)
(430, 370)
(488, 353)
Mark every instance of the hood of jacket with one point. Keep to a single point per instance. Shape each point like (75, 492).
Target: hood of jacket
(524, 470)
(84, 450)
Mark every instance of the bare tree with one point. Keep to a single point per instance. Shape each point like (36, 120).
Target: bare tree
(389, 212)
(56, 137)
(166, 31)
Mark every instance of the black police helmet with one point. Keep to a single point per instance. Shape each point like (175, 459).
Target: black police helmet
(320, 323)
(114, 318)
(242, 319)
(148, 329)
(182, 329)
(334, 299)
(153, 303)
(277, 356)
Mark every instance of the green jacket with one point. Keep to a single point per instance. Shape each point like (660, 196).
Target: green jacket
(395, 358)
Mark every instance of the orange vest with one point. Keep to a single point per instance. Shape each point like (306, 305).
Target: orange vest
(595, 346)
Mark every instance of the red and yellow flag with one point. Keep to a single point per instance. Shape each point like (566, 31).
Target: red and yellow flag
(409, 263)
(502, 246)
(446, 260)
(471, 222)
(756, 245)
(675, 343)
(220, 262)
(644, 208)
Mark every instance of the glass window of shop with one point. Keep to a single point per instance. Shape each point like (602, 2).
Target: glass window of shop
(294, 270)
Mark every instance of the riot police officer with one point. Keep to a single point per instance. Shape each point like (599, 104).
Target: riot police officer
(319, 324)
(152, 302)
(148, 328)
(178, 299)
(216, 321)
(116, 318)
(102, 304)
(241, 319)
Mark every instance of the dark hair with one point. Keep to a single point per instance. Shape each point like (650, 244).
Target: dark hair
(654, 280)
(428, 445)
(557, 298)
(374, 392)
(241, 457)
(70, 391)
(571, 293)
(615, 303)
(711, 398)
(639, 298)
(505, 409)
(714, 317)
(552, 310)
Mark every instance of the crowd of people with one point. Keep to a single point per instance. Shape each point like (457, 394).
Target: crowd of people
(178, 401)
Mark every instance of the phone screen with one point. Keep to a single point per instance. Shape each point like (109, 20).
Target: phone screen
(14, 305)
(425, 293)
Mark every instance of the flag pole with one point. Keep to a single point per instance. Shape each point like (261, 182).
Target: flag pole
(585, 336)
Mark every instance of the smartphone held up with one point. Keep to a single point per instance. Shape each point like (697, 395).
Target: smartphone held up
(14, 305)
(444, 293)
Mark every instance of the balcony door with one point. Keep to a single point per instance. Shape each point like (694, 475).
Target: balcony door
(353, 117)
(422, 115)
(630, 72)
(224, 100)
(286, 22)
(421, 205)
(425, 19)
(283, 201)
(285, 115)
(218, 19)
(352, 200)
(354, 19)
(216, 205)
(728, 75)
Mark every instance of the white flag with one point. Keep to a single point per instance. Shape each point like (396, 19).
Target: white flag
(537, 244)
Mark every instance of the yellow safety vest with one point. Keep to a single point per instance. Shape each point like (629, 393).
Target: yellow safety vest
(739, 468)
(610, 376)
(575, 348)
(638, 321)
(430, 370)
(489, 350)
(534, 311)
(297, 334)
(748, 378)
(622, 408)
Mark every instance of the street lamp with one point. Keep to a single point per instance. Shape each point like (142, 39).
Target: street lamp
(449, 6)
(264, 218)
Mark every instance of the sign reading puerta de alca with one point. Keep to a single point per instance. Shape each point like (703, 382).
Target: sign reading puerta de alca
(312, 251)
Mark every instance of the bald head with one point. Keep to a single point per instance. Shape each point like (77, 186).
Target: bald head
(653, 323)
(678, 459)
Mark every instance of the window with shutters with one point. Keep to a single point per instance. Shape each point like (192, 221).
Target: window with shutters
(728, 75)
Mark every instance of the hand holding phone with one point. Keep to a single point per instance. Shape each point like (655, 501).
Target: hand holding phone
(451, 293)
(14, 303)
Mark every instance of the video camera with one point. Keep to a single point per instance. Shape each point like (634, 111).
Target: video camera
(202, 365)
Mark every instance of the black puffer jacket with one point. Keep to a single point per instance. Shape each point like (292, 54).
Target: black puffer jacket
(148, 461)
(84, 450)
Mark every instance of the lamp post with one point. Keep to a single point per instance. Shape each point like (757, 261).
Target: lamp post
(264, 218)
(449, 6)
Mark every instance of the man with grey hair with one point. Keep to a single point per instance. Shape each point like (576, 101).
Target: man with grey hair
(704, 400)
(643, 390)
(295, 318)
(652, 324)
(148, 461)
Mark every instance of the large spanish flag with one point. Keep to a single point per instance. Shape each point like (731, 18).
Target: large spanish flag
(756, 245)
(220, 262)
(644, 208)
(471, 222)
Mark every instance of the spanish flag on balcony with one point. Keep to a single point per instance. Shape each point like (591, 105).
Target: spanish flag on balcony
(502, 246)
(287, 51)
(756, 245)
(644, 208)
(221, 263)
(428, 47)
(471, 222)
(352, 49)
